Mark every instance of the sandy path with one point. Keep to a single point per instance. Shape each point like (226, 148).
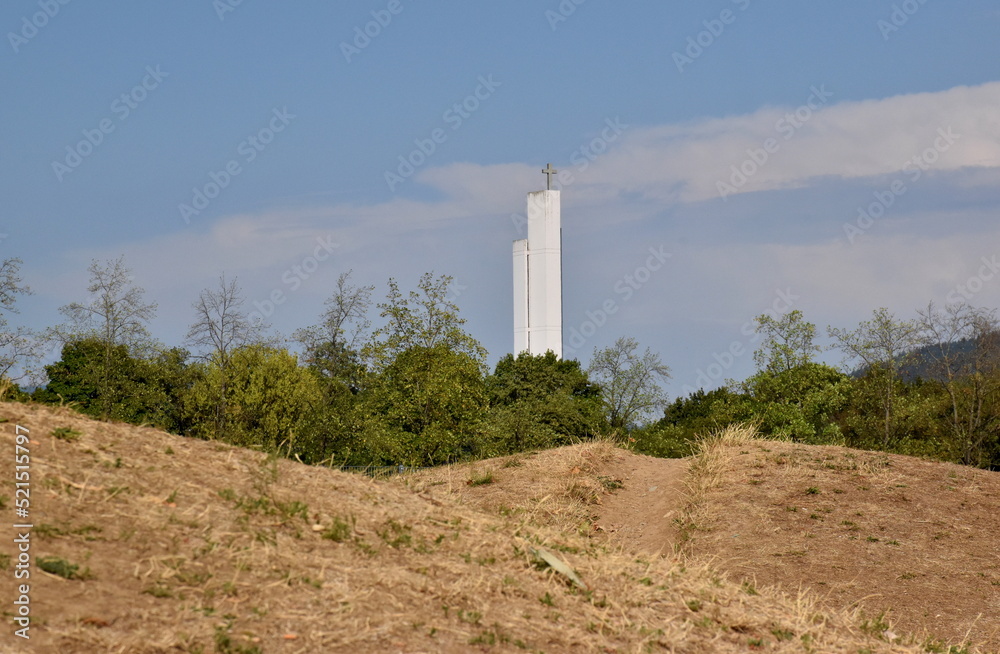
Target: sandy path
(640, 515)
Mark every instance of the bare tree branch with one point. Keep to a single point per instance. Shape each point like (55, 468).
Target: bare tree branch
(345, 322)
(221, 325)
(20, 349)
(116, 313)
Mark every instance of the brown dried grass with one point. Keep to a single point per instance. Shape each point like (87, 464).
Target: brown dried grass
(881, 534)
(196, 546)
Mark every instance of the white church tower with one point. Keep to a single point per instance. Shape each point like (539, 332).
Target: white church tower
(538, 276)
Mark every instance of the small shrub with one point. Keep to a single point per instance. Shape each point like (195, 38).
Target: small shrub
(158, 590)
(224, 644)
(57, 566)
(610, 483)
(485, 638)
(876, 626)
(481, 479)
(782, 634)
(294, 508)
(66, 434)
(395, 534)
(338, 531)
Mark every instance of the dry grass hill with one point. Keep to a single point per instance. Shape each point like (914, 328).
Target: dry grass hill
(147, 542)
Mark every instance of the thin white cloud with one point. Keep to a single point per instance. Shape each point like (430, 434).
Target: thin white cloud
(661, 167)
(848, 140)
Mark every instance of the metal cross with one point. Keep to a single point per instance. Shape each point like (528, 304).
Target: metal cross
(550, 171)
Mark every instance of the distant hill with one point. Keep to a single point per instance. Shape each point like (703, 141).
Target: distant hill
(920, 362)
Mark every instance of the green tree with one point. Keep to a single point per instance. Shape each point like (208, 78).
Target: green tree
(801, 403)
(116, 315)
(788, 342)
(706, 411)
(332, 348)
(426, 317)
(125, 388)
(686, 419)
(222, 326)
(881, 345)
(267, 396)
(790, 396)
(540, 401)
(917, 425)
(424, 393)
(630, 383)
(423, 408)
(961, 349)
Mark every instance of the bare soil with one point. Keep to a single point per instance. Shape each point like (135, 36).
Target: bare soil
(645, 514)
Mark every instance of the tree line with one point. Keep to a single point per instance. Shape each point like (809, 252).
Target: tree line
(415, 390)
(927, 386)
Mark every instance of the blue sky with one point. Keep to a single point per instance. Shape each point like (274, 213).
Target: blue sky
(868, 134)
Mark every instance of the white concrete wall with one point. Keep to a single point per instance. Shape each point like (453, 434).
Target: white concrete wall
(520, 296)
(544, 272)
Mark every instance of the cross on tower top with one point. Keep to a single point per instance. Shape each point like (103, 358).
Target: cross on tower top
(549, 171)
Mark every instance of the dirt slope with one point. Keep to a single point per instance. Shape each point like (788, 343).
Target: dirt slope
(644, 514)
(893, 533)
(888, 534)
(156, 543)
(595, 489)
